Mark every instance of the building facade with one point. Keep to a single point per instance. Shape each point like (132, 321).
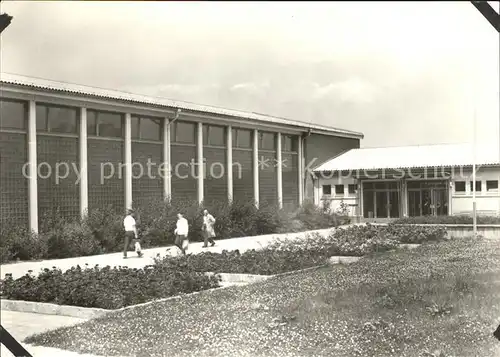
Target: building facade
(77, 148)
(432, 180)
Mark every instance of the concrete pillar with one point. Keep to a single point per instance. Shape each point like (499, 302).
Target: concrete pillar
(167, 170)
(279, 168)
(255, 152)
(229, 148)
(300, 154)
(128, 160)
(33, 176)
(199, 147)
(84, 179)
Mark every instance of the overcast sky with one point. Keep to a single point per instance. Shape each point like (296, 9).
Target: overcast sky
(401, 73)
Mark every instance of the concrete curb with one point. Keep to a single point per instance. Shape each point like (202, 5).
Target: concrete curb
(52, 309)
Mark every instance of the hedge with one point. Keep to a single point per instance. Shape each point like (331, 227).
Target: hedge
(101, 231)
(289, 255)
(459, 219)
(107, 288)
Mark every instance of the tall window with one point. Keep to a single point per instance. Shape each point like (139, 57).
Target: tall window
(105, 124)
(147, 128)
(13, 114)
(56, 119)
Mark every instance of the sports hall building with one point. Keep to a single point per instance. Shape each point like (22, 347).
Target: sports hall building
(77, 148)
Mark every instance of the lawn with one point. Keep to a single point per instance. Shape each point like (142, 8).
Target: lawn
(440, 297)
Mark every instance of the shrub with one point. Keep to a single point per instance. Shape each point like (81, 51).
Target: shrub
(261, 262)
(107, 288)
(19, 243)
(459, 219)
(106, 226)
(314, 217)
(415, 234)
(71, 240)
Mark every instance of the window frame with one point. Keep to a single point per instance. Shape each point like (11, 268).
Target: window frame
(25, 106)
(343, 190)
(48, 128)
(461, 192)
(206, 135)
(174, 131)
(494, 190)
(97, 124)
(262, 135)
(478, 184)
(355, 191)
(140, 119)
(236, 138)
(329, 189)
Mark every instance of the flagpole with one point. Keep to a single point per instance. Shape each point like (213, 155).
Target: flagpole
(474, 213)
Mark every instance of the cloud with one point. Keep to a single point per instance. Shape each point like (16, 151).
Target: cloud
(352, 90)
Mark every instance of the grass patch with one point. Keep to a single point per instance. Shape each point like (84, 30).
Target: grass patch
(404, 304)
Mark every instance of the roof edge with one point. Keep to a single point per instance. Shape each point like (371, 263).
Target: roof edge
(93, 92)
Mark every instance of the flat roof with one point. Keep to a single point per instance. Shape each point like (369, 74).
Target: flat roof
(419, 156)
(87, 91)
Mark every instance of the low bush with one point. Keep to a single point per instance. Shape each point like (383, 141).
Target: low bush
(459, 219)
(18, 243)
(261, 262)
(107, 288)
(313, 250)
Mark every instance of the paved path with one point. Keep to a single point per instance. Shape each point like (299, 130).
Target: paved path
(21, 325)
(115, 259)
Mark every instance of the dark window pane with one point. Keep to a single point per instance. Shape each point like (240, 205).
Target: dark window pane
(367, 185)
(294, 145)
(151, 129)
(91, 123)
(286, 143)
(41, 118)
(244, 138)
(13, 115)
(110, 125)
(491, 185)
(205, 135)
(267, 141)
(460, 186)
(327, 189)
(216, 136)
(134, 127)
(339, 189)
(352, 189)
(61, 119)
(185, 132)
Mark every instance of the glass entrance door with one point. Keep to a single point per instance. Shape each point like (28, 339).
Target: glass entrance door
(440, 202)
(427, 198)
(381, 204)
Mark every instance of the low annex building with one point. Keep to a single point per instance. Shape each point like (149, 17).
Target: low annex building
(76, 148)
(393, 182)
